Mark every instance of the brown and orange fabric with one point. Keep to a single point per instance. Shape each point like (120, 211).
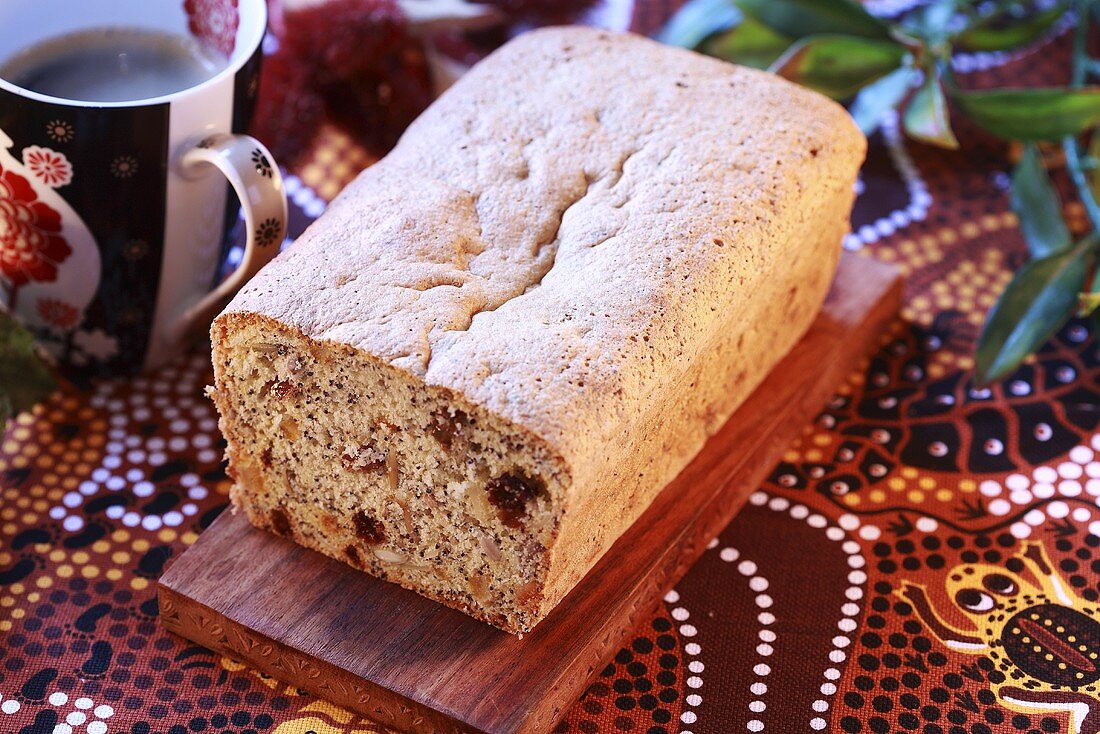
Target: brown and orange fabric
(926, 558)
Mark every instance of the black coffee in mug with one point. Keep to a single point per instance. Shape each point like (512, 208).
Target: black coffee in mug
(121, 124)
(116, 64)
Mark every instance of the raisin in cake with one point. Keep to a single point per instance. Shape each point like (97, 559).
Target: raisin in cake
(499, 343)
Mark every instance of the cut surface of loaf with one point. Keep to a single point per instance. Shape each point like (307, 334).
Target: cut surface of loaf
(500, 342)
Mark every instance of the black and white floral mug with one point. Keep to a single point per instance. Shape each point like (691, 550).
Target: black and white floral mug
(113, 215)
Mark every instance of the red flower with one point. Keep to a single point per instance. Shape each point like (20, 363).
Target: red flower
(48, 166)
(31, 245)
(214, 22)
(57, 312)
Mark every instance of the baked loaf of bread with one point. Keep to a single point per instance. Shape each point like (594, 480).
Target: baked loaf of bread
(499, 343)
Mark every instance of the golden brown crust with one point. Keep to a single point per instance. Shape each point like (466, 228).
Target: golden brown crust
(600, 242)
(605, 188)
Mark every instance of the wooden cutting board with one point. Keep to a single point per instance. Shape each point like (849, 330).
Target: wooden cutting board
(413, 665)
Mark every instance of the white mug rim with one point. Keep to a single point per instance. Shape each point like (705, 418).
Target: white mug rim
(251, 42)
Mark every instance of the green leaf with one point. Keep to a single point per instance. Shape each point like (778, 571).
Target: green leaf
(798, 18)
(984, 37)
(1038, 301)
(873, 100)
(1045, 113)
(24, 379)
(699, 19)
(926, 118)
(838, 66)
(750, 43)
(1036, 203)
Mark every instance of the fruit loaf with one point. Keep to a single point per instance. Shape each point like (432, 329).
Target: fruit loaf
(500, 342)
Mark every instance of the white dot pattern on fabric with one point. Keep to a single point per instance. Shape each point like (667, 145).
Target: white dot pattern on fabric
(919, 198)
(692, 649)
(856, 561)
(1070, 478)
(130, 456)
(870, 532)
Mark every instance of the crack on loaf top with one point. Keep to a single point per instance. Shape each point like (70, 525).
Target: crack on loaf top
(545, 250)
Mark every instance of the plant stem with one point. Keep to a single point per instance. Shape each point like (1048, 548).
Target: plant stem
(1081, 181)
(1080, 43)
(1082, 65)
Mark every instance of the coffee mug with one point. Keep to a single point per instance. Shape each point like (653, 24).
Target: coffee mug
(113, 215)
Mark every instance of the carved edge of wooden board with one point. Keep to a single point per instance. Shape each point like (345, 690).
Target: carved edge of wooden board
(199, 623)
(727, 491)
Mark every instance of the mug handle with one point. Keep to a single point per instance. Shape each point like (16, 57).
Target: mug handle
(249, 167)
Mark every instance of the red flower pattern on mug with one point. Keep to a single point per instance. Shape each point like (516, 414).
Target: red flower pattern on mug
(214, 22)
(48, 166)
(31, 245)
(58, 313)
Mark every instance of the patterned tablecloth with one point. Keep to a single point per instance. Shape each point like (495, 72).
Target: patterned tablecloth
(851, 594)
